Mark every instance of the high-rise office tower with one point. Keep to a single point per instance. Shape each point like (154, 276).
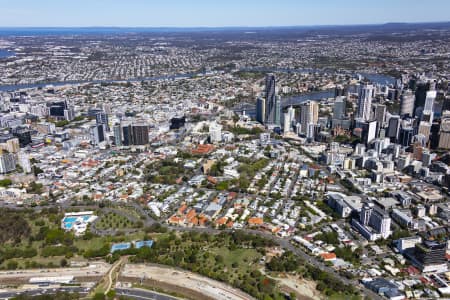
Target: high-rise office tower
(277, 111)
(69, 113)
(380, 115)
(97, 134)
(339, 108)
(117, 135)
(446, 103)
(435, 135)
(127, 139)
(444, 132)
(392, 94)
(102, 119)
(365, 95)
(56, 109)
(134, 134)
(291, 112)
(429, 100)
(366, 129)
(7, 162)
(61, 110)
(428, 112)
(425, 130)
(289, 118)
(311, 131)
(407, 104)
(260, 110)
(270, 95)
(393, 128)
(287, 123)
(309, 114)
(140, 134)
(421, 94)
(406, 136)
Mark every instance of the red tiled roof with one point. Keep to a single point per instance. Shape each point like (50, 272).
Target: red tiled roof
(182, 209)
(221, 221)
(175, 220)
(191, 214)
(203, 149)
(255, 221)
(328, 256)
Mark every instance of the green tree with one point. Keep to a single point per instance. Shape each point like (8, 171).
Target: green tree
(12, 265)
(37, 170)
(5, 182)
(63, 263)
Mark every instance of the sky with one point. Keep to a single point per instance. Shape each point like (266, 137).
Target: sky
(217, 13)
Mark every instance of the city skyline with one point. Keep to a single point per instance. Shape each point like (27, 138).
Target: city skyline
(200, 13)
(244, 148)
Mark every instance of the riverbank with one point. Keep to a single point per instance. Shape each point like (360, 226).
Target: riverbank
(376, 78)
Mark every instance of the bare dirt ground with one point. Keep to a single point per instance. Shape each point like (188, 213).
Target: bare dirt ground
(303, 289)
(184, 279)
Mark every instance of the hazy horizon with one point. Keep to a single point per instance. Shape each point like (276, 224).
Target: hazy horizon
(209, 14)
(224, 26)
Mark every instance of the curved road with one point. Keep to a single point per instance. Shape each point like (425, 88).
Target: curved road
(283, 242)
(139, 294)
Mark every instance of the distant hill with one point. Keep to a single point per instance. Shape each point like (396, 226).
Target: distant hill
(319, 28)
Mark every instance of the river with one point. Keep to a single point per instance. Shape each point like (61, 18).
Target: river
(6, 53)
(14, 87)
(375, 78)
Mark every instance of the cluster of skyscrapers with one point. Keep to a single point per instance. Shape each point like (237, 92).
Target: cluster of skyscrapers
(269, 112)
(268, 109)
(131, 134)
(125, 133)
(416, 120)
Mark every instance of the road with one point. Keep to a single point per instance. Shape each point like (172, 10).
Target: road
(185, 280)
(142, 294)
(45, 291)
(285, 243)
(95, 269)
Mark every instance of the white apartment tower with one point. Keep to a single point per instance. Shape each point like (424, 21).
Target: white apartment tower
(365, 95)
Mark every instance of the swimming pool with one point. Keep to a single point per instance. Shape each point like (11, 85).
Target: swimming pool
(69, 221)
(140, 244)
(121, 246)
(68, 225)
(73, 219)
